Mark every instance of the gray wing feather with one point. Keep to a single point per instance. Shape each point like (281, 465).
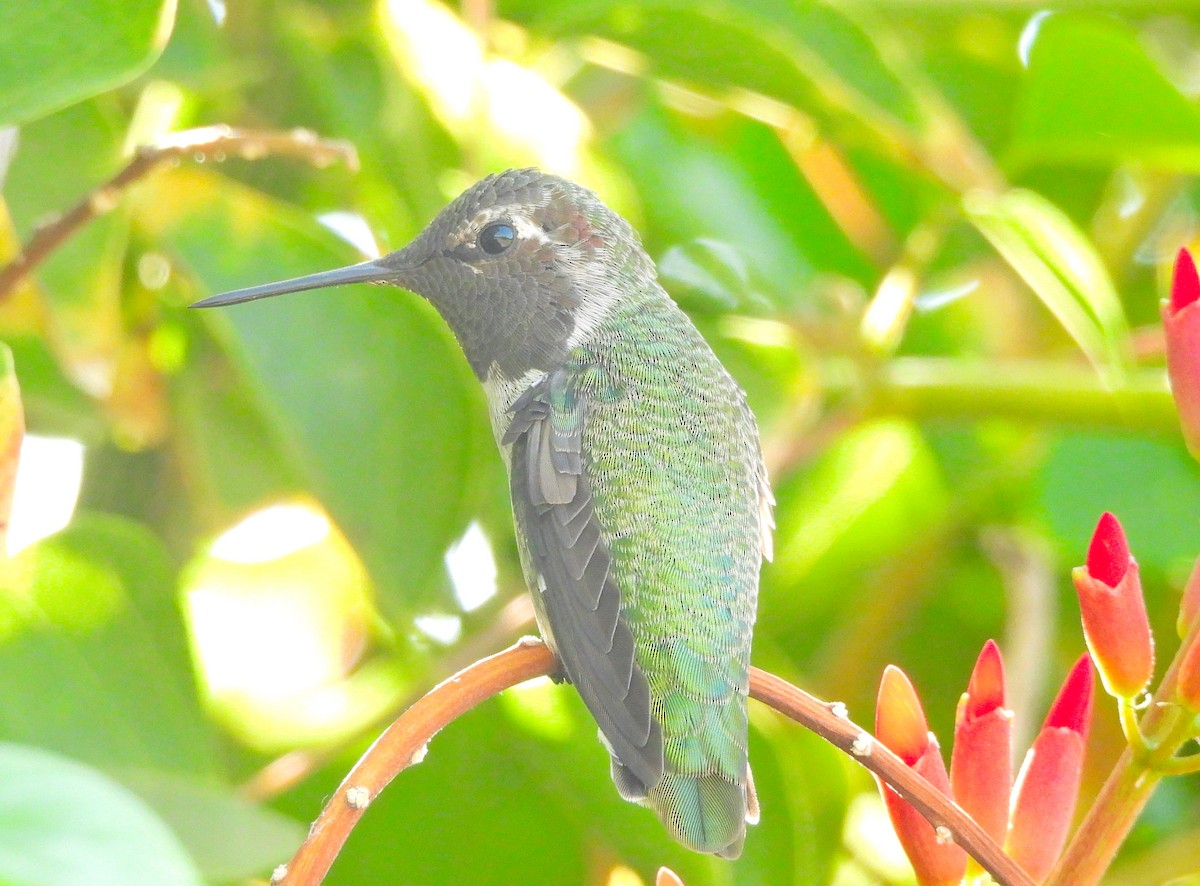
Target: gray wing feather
(569, 527)
(553, 505)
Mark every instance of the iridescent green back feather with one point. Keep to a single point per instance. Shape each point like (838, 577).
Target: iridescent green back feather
(671, 451)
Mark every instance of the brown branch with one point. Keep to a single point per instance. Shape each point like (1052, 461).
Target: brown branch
(205, 143)
(405, 741)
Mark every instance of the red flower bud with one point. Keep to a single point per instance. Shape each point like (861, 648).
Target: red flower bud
(1114, 612)
(1048, 783)
(981, 763)
(1185, 282)
(1108, 556)
(900, 726)
(1181, 323)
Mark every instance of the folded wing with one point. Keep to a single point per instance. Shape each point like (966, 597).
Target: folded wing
(553, 505)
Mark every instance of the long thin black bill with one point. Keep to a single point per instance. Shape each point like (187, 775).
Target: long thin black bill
(365, 272)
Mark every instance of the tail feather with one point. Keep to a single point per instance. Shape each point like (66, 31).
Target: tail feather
(752, 811)
(706, 813)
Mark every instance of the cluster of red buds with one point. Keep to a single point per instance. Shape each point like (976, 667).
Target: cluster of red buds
(1029, 818)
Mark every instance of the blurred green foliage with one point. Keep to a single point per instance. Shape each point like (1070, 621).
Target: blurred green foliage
(928, 238)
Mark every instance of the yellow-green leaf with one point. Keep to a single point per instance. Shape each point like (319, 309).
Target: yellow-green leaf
(1060, 265)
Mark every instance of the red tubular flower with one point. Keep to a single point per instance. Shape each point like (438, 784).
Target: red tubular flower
(1048, 783)
(1114, 611)
(981, 763)
(900, 726)
(1181, 322)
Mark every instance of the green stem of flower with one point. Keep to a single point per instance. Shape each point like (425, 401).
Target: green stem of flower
(1132, 729)
(1175, 730)
(1182, 766)
(1112, 816)
(1050, 393)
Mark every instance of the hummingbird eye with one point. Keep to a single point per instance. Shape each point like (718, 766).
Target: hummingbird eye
(496, 238)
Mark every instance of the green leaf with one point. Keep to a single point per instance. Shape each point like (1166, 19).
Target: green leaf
(62, 824)
(484, 778)
(1151, 485)
(1060, 265)
(790, 197)
(225, 444)
(61, 157)
(706, 274)
(803, 53)
(52, 404)
(871, 497)
(364, 387)
(1093, 95)
(56, 52)
(229, 838)
(704, 193)
(93, 658)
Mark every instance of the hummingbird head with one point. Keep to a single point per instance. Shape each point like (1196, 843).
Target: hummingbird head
(522, 266)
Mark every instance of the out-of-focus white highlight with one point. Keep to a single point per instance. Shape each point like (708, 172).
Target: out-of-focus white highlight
(279, 614)
(1029, 35)
(886, 317)
(1132, 197)
(217, 8)
(263, 646)
(934, 299)
(445, 629)
(472, 569)
(352, 228)
(271, 533)
(49, 476)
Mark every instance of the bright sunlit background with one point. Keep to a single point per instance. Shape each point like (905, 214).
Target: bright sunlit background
(49, 474)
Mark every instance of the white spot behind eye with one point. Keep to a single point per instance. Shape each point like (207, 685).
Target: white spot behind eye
(468, 235)
(527, 230)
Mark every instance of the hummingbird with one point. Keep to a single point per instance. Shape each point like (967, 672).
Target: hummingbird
(639, 492)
